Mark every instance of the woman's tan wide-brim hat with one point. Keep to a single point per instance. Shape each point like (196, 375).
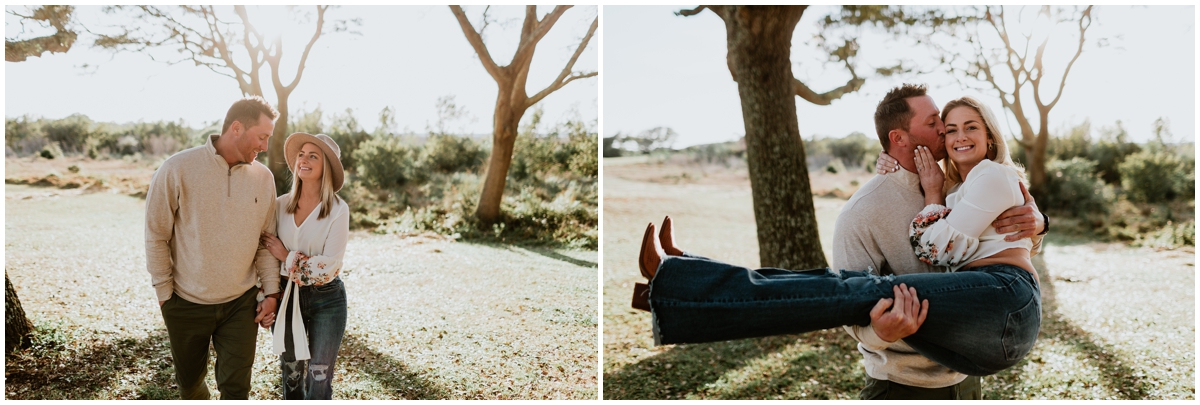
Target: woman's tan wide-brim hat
(291, 149)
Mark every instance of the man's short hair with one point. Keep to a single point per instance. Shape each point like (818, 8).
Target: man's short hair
(893, 111)
(247, 110)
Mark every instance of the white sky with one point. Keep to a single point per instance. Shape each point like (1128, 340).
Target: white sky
(407, 57)
(664, 70)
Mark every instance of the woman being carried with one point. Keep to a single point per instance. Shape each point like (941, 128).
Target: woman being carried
(979, 319)
(313, 226)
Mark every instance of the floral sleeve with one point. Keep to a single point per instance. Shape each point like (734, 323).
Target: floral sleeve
(312, 270)
(936, 242)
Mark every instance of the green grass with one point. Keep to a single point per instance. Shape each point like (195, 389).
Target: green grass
(1118, 322)
(428, 318)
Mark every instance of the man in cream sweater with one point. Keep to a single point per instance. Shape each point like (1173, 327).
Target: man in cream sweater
(205, 210)
(872, 232)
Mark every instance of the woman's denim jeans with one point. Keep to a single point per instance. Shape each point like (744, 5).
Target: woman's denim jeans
(981, 320)
(323, 309)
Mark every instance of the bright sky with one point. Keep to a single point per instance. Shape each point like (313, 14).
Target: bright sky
(406, 58)
(664, 70)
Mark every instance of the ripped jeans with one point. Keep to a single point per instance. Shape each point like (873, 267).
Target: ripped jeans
(323, 309)
(981, 320)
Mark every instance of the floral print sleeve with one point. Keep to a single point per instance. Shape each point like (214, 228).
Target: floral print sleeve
(937, 243)
(311, 270)
(950, 235)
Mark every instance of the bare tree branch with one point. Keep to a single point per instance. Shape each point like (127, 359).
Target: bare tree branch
(476, 43)
(559, 81)
(1087, 14)
(692, 12)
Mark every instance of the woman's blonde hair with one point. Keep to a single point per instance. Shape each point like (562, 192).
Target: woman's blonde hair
(328, 196)
(997, 148)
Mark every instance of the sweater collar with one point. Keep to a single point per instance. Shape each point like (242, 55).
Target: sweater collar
(211, 146)
(909, 180)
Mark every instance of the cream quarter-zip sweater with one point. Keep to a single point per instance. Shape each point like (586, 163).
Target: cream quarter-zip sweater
(203, 222)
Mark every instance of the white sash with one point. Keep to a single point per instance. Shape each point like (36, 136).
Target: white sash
(299, 336)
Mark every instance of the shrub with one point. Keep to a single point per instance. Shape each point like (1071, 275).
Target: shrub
(1157, 176)
(70, 133)
(1072, 186)
(448, 154)
(51, 151)
(385, 162)
(851, 149)
(1108, 153)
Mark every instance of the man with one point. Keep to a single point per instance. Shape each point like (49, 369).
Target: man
(872, 232)
(205, 210)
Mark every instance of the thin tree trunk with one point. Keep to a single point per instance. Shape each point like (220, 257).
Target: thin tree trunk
(504, 137)
(275, 159)
(17, 328)
(759, 42)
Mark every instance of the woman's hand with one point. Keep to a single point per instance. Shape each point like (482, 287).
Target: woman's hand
(886, 164)
(931, 176)
(274, 246)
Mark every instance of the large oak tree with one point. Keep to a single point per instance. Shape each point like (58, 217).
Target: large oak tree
(759, 43)
(512, 99)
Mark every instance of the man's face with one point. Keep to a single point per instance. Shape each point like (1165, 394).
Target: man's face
(253, 140)
(926, 127)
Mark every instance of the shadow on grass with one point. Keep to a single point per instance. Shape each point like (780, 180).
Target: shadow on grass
(694, 370)
(57, 368)
(393, 375)
(550, 253)
(1115, 375)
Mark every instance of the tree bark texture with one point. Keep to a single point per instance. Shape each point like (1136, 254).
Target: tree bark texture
(759, 56)
(17, 328)
(504, 137)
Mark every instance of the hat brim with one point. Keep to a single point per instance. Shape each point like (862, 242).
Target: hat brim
(297, 140)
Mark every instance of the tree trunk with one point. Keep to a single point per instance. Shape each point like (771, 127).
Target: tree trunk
(759, 46)
(504, 136)
(1037, 165)
(17, 328)
(275, 153)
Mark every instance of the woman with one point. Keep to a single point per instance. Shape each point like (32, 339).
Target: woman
(313, 224)
(980, 319)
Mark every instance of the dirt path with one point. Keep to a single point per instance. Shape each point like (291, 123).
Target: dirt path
(1119, 322)
(429, 318)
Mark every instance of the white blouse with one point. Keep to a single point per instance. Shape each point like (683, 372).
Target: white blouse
(961, 231)
(315, 250)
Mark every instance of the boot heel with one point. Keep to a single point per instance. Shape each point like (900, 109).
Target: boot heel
(641, 297)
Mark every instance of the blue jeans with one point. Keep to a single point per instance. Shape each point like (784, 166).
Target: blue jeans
(323, 309)
(981, 320)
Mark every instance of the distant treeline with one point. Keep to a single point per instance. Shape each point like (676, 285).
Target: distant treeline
(1099, 184)
(397, 182)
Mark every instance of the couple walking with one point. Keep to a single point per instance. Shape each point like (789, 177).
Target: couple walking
(961, 239)
(215, 232)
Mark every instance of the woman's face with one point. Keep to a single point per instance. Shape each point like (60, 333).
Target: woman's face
(966, 136)
(310, 163)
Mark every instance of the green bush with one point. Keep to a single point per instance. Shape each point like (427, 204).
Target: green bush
(1157, 176)
(386, 162)
(1072, 186)
(70, 133)
(51, 151)
(1108, 153)
(448, 154)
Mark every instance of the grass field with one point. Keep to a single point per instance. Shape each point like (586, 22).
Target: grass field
(1118, 323)
(429, 318)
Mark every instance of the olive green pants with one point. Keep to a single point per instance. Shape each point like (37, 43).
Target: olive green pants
(882, 389)
(229, 327)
